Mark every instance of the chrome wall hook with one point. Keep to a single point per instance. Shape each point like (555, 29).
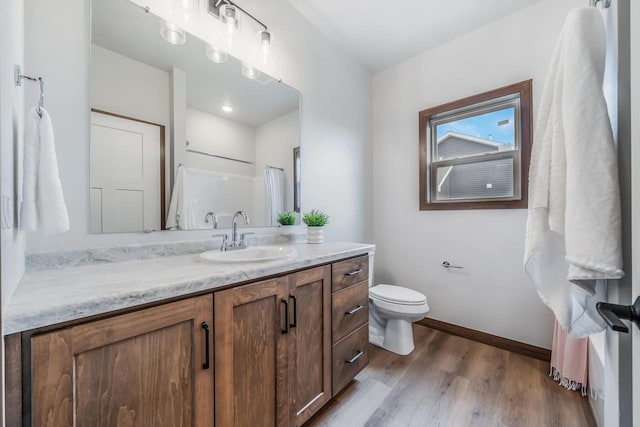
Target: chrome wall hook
(18, 77)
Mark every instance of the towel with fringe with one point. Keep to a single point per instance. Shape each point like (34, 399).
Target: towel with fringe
(569, 360)
(573, 239)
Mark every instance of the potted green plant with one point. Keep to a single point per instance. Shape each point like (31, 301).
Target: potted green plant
(315, 221)
(287, 218)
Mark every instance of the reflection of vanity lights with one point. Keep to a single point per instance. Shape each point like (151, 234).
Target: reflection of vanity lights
(172, 33)
(229, 13)
(249, 72)
(216, 55)
(227, 108)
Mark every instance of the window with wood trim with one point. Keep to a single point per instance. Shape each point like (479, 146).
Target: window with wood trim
(474, 152)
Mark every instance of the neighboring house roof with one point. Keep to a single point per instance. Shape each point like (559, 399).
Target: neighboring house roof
(488, 142)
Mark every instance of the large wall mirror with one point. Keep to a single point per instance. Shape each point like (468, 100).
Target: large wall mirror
(178, 131)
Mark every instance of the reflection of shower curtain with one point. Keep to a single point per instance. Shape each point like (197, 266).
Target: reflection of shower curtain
(274, 186)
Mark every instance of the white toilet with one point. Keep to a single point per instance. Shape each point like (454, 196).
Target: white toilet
(392, 310)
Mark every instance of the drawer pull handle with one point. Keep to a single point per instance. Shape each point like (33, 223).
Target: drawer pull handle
(286, 316)
(355, 310)
(295, 311)
(205, 326)
(353, 273)
(354, 358)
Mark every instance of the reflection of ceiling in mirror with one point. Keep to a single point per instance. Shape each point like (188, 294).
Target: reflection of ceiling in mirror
(122, 27)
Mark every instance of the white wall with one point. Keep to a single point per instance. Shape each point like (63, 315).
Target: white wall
(222, 137)
(335, 117)
(492, 293)
(11, 130)
(124, 86)
(275, 142)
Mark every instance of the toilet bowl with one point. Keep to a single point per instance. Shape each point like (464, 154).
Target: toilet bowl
(392, 310)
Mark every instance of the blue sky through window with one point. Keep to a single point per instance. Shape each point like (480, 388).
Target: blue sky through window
(484, 126)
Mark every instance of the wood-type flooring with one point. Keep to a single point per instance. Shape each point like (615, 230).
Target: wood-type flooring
(453, 381)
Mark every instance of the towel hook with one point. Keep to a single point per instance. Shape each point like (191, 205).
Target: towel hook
(605, 3)
(18, 77)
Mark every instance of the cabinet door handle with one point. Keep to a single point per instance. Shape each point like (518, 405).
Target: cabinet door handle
(295, 310)
(286, 315)
(354, 310)
(205, 365)
(354, 358)
(353, 273)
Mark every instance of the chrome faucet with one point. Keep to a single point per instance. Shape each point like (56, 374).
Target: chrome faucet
(235, 243)
(213, 216)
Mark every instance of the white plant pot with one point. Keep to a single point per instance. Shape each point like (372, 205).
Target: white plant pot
(287, 230)
(315, 234)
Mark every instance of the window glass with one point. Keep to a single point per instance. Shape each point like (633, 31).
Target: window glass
(477, 180)
(478, 134)
(474, 152)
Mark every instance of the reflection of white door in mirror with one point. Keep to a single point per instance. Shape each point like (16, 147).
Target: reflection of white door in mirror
(125, 174)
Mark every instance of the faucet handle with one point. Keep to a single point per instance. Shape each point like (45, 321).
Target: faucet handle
(213, 216)
(242, 239)
(225, 238)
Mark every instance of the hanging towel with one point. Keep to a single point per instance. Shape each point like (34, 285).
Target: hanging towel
(43, 207)
(181, 213)
(573, 224)
(569, 360)
(274, 183)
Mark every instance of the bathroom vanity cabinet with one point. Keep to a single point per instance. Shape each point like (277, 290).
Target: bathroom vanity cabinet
(145, 368)
(350, 307)
(270, 352)
(273, 350)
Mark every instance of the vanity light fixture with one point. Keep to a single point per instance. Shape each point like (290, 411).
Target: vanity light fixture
(228, 12)
(227, 108)
(172, 33)
(265, 39)
(230, 17)
(216, 55)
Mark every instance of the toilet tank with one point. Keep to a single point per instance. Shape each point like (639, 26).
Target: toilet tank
(372, 255)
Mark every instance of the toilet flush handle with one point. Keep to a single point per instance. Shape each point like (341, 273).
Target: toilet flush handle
(446, 264)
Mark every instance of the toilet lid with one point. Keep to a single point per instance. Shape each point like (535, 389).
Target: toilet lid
(397, 295)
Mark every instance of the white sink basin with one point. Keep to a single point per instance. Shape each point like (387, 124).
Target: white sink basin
(251, 254)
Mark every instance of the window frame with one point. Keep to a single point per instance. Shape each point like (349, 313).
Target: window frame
(483, 103)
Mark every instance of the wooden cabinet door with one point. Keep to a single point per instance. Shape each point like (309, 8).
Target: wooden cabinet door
(251, 379)
(309, 342)
(145, 368)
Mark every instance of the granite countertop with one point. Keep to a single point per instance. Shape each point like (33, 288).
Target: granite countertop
(49, 297)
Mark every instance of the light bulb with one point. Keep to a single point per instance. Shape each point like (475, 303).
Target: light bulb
(250, 72)
(227, 108)
(230, 17)
(216, 55)
(265, 41)
(172, 33)
(265, 38)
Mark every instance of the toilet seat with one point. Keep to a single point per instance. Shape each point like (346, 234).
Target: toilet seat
(396, 295)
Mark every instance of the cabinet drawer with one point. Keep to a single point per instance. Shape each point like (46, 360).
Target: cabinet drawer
(350, 310)
(350, 356)
(349, 272)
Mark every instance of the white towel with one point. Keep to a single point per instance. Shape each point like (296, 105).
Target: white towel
(573, 224)
(43, 207)
(181, 213)
(274, 186)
